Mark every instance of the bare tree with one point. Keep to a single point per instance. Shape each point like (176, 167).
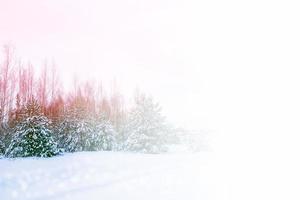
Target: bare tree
(7, 83)
(117, 105)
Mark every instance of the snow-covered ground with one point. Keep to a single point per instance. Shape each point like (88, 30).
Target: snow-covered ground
(114, 175)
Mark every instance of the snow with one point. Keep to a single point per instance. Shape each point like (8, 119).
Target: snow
(114, 175)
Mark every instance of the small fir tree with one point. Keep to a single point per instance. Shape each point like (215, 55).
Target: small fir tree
(146, 128)
(74, 131)
(103, 137)
(32, 136)
(2, 146)
(81, 134)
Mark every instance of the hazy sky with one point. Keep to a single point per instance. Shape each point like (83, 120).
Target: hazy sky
(218, 65)
(145, 44)
(227, 66)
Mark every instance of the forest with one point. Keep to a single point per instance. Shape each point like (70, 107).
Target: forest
(39, 118)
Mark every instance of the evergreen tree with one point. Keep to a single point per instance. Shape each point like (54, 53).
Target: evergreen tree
(86, 134)
(103, 137)
(32, 136)
(146, 129)
(5, 138)
(71, 135)
(32, 108)
(2, 145)
(74, 131)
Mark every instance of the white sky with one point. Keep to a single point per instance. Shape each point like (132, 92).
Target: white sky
(222, 66)
(227, 66)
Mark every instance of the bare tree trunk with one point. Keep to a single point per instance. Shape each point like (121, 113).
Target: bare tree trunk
(7, 84)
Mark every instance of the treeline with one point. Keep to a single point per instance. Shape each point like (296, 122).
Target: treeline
(20, 84)
(39, 118)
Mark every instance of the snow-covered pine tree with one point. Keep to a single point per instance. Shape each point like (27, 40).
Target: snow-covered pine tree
(146, 128)
(2, 146)
(32, 136)
(103, 137)
(73, 131)
(5, 138)
(85, 133)
(76, 131)
(65, 131)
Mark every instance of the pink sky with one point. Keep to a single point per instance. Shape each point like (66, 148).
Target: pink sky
(207, 62)
(139, 43)
(232, 67)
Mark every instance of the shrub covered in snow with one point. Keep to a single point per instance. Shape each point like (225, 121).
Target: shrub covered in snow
(32, 137)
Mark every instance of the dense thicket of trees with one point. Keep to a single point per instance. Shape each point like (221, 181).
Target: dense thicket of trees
(38, 118)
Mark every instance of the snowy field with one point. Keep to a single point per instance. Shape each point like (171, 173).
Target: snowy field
(114, 175)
